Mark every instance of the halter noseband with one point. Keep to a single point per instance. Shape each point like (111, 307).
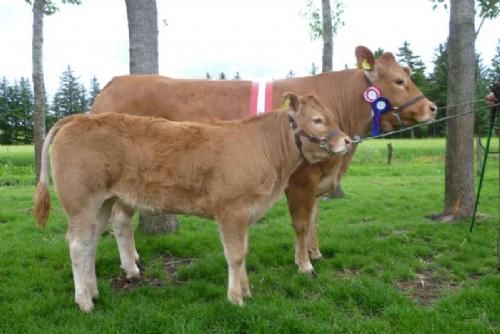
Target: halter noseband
(323, 142)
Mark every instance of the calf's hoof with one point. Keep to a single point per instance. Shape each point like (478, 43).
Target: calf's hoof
(86, 306)
(235, 300)
(307, 268)
(246, 293)
(315, 254)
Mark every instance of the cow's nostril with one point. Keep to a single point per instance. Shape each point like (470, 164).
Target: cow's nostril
(348, 141)
(433, 108)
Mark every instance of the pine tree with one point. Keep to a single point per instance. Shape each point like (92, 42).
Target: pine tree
(378, 53)
(4, 124)
(25, 111)
(237, 76)
(94, 90)
(222, 76)
(494, 71)
(407, 57)
(70, 97)
(439, 84)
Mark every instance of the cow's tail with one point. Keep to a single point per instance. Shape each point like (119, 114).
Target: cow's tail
(41, 208)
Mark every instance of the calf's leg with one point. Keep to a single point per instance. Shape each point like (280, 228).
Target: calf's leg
(121, 218)
(233, 235)
(101, 222)
(301, 204)
(312, 240)
(82, 237)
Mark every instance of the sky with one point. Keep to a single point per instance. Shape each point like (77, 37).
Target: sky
(260, 39)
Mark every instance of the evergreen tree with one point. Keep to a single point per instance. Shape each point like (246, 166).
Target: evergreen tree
(68, 98)
(208, 76)
(379, 52)
(406, 57)
(290, 74)
(494, 71)
(237, 76)
(4, 124)
(439, 86)
(481, 112)
(25, 112)
(94, 90)
(222, 76)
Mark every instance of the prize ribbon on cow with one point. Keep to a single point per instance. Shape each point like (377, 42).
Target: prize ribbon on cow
(379, 106)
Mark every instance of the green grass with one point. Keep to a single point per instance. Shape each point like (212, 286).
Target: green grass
(377, 245)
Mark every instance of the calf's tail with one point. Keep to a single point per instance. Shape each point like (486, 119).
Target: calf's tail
(41, 208)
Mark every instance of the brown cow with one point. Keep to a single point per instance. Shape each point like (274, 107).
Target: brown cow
(231, 171)
(342, 92)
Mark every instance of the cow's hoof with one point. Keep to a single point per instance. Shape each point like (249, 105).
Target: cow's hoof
(133, 274)
(86, 306)
(138, 263)
(235, 300)
(133, 278)
(307, 269)
(246, 293)
(315, 254)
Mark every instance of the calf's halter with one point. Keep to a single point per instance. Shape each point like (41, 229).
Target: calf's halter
(381, 105)
(323, 142)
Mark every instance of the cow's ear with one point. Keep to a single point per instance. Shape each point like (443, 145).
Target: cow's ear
(364, 58)
(407, 70)
(290, 102)
(388, 56)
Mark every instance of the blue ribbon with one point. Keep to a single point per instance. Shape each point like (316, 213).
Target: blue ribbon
(379, 106)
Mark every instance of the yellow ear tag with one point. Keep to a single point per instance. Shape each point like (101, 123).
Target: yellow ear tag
(365, 65)
(284, 106)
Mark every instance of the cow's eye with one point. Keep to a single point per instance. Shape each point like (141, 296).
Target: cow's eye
(317, 120)
(399, 82)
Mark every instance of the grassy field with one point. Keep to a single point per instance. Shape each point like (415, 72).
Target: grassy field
(387, 268)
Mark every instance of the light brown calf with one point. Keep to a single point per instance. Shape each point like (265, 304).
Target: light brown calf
(341, 92)
(112, 164)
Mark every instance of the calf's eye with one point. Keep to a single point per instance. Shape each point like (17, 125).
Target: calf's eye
(317, 120)
(399, 82)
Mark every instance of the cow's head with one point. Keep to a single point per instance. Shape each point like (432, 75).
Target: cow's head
(316, 129)
(395, 84)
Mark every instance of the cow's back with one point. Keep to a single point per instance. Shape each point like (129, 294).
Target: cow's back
(175, 99)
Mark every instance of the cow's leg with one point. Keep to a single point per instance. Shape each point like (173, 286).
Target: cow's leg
(233, 234)
(301, 200)
(245, 284)
(121, 218)
(102, 220)
(82, 238)
(312, 240)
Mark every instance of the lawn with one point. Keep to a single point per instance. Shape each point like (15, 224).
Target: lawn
(387, 268)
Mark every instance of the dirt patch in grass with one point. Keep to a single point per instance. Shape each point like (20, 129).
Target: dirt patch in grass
(170, 264)
(424, 288)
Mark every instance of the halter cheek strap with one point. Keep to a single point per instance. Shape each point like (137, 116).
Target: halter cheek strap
(323, 142)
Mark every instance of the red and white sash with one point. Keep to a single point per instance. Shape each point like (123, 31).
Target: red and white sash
(261, 97)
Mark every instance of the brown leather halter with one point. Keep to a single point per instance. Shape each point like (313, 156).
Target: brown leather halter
(323, 142)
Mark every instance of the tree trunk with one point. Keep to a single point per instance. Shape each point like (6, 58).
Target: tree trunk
(40, 105)
(327, 36)
(143, 46)
(143, 36)
(327, 66)
(459, 170)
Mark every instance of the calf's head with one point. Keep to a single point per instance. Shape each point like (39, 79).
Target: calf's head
(393, 81)
(316, 129)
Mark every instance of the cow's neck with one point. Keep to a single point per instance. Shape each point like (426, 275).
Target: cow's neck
(341, 92)
(276, 140)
